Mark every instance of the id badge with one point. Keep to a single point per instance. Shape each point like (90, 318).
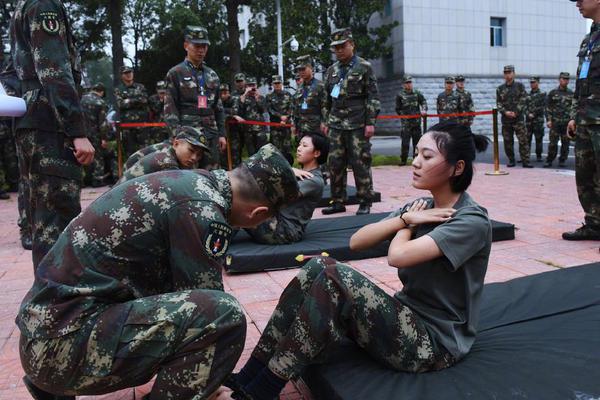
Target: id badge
(305, 105)
(335, 92)
(202, 102)
(585, 68)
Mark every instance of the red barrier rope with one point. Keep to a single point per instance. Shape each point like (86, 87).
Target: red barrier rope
(261, 123)
(415, 116)
(142, 124)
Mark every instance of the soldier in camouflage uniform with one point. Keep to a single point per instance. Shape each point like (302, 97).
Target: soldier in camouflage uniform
(236, 131)
(95, 109)
(133, 287)
(228, 103)
(351, 108)
(448, 101)
(9, 167)
(465, 101)
(51, 137)
(157, 105)
(132, 106)
(534, 120)
(511, 99)
(193, 95)
(307, 108)
(279, 105)
(251, 105)
(558, 114)
(410, 102)
(186, 151)
(585, 126)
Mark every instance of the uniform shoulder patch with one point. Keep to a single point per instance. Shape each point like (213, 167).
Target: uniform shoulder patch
(217, 239)
(50, 22)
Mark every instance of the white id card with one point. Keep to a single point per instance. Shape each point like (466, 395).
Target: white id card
(304, 105)
(585, 68)
(335, 92)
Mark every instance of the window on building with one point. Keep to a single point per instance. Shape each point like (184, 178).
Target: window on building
(497, 32)
(387, 9)
(388, 65)
(243, 40)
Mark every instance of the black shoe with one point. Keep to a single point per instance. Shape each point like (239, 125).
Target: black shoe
(39, 394)
(527, 165)
(520, 161)
(582, 233)
(511, 164)
(26, 242)
(96, 184)
(548, 164)
(4, 195)
(562, 164)
(334, 209)
(363, 209)
(402, 163)
(539, 159)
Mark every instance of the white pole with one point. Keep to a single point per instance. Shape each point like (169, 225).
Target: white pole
(279, 40)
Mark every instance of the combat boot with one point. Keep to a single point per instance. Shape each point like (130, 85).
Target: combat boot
(26, 241)
(562, 163)
(39, 394)
(511, 163)
(334, 209)
(582, 233)
(363, 209)
(527, 165)
(548, 164)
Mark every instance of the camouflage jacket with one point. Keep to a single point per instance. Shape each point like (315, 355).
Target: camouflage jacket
(156, 108)
(47, 65)
(534, 107)
(95, 109)
(466, 105)
(358, 103)
(558, 105)
(279, 104)
(160, 233)
(513, 98)
(448, 103)
(228, 106)
(132, 103)
(137, 156)
(153, 162)
(185, 85)
(309, 118)
(410, 103)
(586, 104)
(251, 109)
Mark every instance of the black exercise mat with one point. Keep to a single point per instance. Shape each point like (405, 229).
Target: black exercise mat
(350, 193)
(539, 338)
(331, 235)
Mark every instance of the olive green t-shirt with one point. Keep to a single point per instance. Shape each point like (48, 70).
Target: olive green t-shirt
(446, 292)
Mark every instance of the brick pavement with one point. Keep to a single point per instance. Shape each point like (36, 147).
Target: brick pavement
(541, 203)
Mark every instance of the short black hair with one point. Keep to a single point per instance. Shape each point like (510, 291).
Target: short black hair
(320, 143)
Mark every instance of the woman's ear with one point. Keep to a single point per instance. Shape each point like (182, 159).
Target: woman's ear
(459, 168)
(260, 212)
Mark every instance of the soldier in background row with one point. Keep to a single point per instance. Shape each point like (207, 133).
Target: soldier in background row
(308, 112)
(132, 106)
(237, 131)
(279, 104)
(95, 109)
(534, 120)
(227, 101)
(448, 101)
(558, 114)
(465, 101)
(157, 105)
(410, 102)
(511, 99)
(252, 106)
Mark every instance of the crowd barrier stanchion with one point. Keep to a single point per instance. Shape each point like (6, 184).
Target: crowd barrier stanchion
(119, 151)
(497, 170)
(228, 135)
(425, 123)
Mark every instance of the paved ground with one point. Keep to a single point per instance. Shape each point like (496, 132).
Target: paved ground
(542, 204)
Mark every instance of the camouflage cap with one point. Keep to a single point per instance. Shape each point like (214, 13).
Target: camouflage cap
(509, 68)
(240, 76)
(449, 79)
(304, 61)
(534, 78)
(274, 176)
(564, 75)
(297, 77)
(99, 87)
(224, 86)
(250, 80)
(276, 79)
(407, 78)
(196, 35)
(459, 78)
(161, 85)
(125, 69)
(341, 36)
(194, 136)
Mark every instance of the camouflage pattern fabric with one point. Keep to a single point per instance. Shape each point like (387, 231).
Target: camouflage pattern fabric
(534, 119)
(410, 103)
(153, 162)
(186, 85)
(95, 109)
(132, 106)
(448, 103)
(156, 115)
(9, 166)
(276, 230)
(137, 156)
(358, 102)
(46, 65)
(513, 98)
(309, 119)
(558, 111)
(350, 148)
(232, 132)
(252, 109)
(328, 301)
(466, 105)
(279, 104)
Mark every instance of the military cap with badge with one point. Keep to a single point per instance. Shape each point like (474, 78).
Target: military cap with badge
(194, 136)
(276, 79)
(239, 77)
(303, 62)
(224, 87)
(125, 69)
(534, 78)
(161, 85)
(196, 35)
(449, 79)
(564, 75)
(341, 36)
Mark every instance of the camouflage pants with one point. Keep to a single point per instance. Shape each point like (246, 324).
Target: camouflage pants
(535, 129)
(282, 139)
(328, 301)
(254, 140)
(508, 132)
(9, 167)
(275, 231)
(587, 172)
(134, 139)
(52, 185)
(236, 144)
(409, 131)
(558, 131)
(23, 222)
(350, 147)
(94, 173)
(211, 160)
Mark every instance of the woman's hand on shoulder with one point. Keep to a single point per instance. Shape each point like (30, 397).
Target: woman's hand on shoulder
(301, 174)
(418, 214)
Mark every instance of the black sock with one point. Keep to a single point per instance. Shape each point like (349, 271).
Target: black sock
(266, 386)
(250, 371)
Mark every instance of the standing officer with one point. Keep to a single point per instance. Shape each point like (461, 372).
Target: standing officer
(535, 106)
(410, 102)
(351, 105)
(132, 106)
(193, 95)
(511, 99)
(157, 106)
(448, 101)
(465, 101)
(309, 99)
(237, 131)
(279, 104)
(558, 114)
(133, 287)
(252, 106)
(228, 103)
(95, 114)
(51, 137)
(585, 126)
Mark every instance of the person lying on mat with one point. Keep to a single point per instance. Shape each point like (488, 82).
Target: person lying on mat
(186, 151)
(289, 224)
(440, 245)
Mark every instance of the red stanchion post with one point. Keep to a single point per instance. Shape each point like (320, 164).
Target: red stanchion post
(119, 151)
(495, 144)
